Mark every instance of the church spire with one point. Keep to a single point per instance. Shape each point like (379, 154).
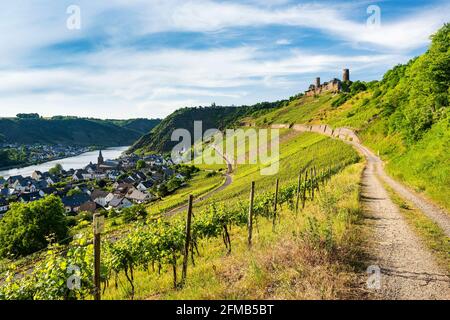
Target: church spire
(100, 158)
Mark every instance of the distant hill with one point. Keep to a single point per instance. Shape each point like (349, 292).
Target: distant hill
(142, 126)
(219, 117)
(73, 131)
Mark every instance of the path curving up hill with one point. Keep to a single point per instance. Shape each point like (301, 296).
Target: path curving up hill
(408, 269)
(226, 183)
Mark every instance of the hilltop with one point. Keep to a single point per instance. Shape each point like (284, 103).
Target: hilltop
(73, 130)
(219, 117)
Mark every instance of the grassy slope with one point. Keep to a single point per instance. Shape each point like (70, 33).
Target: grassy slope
(424, 166)
(294, 254)
(292, 263)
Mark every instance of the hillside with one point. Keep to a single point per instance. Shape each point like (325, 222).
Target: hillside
(220, 117)
(404, 117)
(72, 130)
(140, 125)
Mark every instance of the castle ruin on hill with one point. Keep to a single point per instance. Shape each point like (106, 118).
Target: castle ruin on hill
(333, 86)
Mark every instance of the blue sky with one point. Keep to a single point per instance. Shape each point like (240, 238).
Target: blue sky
(144, 58)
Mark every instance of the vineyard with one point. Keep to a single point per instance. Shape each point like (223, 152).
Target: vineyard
(159, 246)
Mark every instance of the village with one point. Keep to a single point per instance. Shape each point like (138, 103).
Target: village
(28, 154)
(105, 185)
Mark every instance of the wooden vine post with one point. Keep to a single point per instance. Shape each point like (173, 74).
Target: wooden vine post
(188, 241)
(99, 221)
(299, 182)
(275, 205)
(250, 215)
(316, 180)
(312, 184)
(304, 189)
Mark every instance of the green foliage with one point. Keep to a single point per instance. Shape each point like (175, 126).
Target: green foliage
(157, 243)
(349, 91)
(220, 117)
(134, 213)
(56, 170)
(140, 164)
(26, 228)
(12, 157)
(55, 277)
(28, 116)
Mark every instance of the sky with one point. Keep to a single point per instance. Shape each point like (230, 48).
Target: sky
(146, 58)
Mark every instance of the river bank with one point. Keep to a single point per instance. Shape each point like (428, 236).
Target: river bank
(74, 162)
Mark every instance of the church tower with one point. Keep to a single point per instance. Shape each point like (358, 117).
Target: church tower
(100, 158)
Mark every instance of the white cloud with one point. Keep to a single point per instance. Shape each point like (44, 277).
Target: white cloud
(125, 83)
(122, 82)
(283, 42)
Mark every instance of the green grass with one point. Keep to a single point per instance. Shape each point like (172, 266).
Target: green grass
(423, 166)
(199, 185)
(297, 152)
(295, 262)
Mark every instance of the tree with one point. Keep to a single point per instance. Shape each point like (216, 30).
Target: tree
(74, 191)
(28, 116)
(27, 228)
(140, 164)
(162, 190)
(56, 170)
(173, 184)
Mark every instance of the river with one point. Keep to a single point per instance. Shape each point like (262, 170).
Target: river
(76, 162)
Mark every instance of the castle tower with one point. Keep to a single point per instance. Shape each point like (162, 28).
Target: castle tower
(100, 158)
(346, 75)
(317, 82)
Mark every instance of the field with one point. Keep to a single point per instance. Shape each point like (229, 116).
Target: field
(328, 225)
(424, 166)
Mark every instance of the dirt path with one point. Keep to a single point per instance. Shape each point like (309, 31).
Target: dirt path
(408, 269)
(228, 181)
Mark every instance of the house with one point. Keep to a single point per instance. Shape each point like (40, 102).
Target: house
(123, 188)
(157, 176)
(89, 206)
(73, 203)
(3, 206)
(77, 176)
(119, 202)
(36, 175)
(168, 172)
(99, 197)
(145, 185)
(47, 191)
(52, 179)
(114, 174)
(140, 176)
(109, 165)
(22, 185)
(90, 168)
(5, 192)
(138, 196)
(29, 197)
(13, 179)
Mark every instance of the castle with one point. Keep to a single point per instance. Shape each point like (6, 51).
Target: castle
(334, 86)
